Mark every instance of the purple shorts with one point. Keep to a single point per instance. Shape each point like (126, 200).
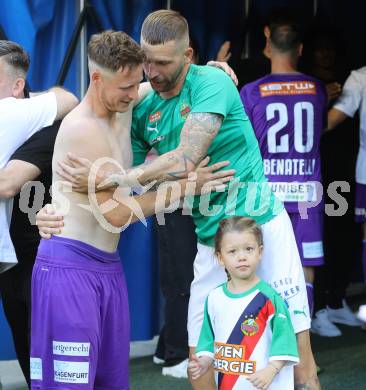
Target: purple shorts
(80, 318)
(360, 203)
(309, 238)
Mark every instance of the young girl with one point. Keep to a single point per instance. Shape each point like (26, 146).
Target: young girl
(246, 332)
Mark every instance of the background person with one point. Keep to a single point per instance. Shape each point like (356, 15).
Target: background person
(20, 119)
(288, 113)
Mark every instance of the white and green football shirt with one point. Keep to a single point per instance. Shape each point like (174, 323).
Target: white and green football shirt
(243, 332)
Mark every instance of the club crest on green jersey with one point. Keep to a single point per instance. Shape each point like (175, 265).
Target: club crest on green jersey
(185, 109)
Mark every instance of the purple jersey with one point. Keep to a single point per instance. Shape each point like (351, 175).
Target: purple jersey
(288, 113)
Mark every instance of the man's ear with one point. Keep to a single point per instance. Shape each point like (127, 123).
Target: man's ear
(188, 55)
(95, 76)
(18, 88)
(301, 47)
(267, 32)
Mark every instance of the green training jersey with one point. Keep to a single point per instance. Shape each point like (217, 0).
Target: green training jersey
(157, 123)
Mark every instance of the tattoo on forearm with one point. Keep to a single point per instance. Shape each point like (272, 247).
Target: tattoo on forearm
(184, 171)
(196, 137)
(197, 134)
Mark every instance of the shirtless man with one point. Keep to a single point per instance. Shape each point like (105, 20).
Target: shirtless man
(80, 316)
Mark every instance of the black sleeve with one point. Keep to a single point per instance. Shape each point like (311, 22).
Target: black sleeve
(38, 149)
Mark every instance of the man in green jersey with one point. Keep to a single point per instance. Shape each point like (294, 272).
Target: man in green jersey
(196, 111)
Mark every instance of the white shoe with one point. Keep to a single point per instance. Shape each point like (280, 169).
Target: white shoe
(322, 326)
(343, 315)
(361, 314)
(177, 371)
(158, 361)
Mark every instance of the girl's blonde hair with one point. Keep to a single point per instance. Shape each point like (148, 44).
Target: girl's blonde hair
(237, 224)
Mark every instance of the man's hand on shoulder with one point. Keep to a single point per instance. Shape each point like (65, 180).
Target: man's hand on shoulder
(226, 68)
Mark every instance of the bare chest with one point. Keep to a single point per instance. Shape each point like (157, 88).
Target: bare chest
(119, 138)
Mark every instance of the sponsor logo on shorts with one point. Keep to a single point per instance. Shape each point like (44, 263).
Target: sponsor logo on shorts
(71, 349)
(360, 211)
(71, 372)
(312, 250)
(230, 359)
(36, 368)
(249, 326)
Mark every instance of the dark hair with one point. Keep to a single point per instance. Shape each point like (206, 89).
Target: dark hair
(163, 26)
(114, 50)
(284, 38)
(286, 29)
(237, 224)
(15, 56)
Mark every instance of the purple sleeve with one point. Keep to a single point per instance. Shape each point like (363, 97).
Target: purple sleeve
(246, 102)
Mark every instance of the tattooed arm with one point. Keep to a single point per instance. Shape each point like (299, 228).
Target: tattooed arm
(214, 96)
(197, 134)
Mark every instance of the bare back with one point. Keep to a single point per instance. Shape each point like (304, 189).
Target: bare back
(86, 135)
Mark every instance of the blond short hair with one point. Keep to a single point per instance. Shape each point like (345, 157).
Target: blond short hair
(163, 26)
(113, 50)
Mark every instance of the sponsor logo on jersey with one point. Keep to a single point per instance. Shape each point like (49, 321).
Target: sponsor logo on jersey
(230, 359)
(156, 116)
(286, 288)
(153, 128)
(157, 139)
(288, 88)
(294, 191)
(249, 326)
(300, 312)
(185, 110)
(36, 368)
(71, 372)
(70, 349)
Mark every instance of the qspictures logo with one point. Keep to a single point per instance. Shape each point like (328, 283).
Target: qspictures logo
(255, 203)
